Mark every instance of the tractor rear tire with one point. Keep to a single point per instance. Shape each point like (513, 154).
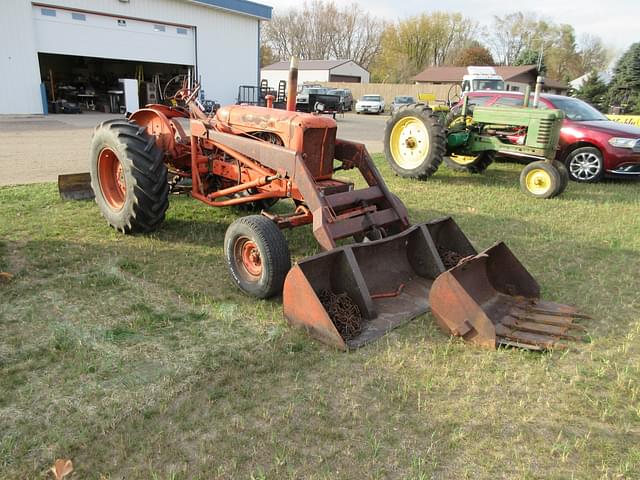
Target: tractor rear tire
(128, 176)
(540, 179)
(477, 165)
(257, 255)
(414, 141)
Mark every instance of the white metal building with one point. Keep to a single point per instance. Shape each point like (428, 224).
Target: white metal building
(317, 71)
(217, 39)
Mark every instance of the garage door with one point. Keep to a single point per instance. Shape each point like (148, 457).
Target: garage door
(91, 35)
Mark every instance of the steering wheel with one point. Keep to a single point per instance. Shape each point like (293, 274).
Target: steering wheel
(455, 98)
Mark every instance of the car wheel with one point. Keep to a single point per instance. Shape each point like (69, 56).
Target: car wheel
(585, 165)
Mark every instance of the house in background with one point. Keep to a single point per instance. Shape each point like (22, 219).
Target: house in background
(317, 71)
(604, 77)
(516, 78)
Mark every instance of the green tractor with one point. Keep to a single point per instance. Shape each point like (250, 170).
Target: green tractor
(418, 139)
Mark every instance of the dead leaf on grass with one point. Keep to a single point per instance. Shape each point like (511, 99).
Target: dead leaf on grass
(5, 277)
(61, 468)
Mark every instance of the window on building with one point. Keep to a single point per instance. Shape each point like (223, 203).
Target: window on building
(158, 28)
(48, 12)
(181, 31)
(122, 23)
(78, 16)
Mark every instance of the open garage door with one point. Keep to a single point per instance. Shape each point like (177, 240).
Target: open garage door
(68, 32)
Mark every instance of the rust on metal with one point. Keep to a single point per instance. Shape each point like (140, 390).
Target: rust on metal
(344, 313)
(75, 186)
(492, 300)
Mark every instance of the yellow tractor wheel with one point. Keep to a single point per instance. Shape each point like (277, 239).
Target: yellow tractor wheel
(414, 141)
(541, 180)
(470, 163)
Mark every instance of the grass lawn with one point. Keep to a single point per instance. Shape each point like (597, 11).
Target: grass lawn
(136, 357)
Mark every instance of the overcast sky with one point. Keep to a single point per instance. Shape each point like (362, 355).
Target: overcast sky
(615, 21)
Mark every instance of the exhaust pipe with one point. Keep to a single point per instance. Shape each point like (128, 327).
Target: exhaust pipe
(536, 95)
(293, 85)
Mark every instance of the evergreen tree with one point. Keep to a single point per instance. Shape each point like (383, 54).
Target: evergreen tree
(531, 57)
(594, 91)
(624, 90)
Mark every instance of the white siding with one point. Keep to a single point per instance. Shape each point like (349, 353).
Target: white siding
(227, 45)
(304, 76)
(19, 71)
(103, 37)
(352, 69)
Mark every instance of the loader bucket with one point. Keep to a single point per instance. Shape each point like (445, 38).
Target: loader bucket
(76, 186)
(351, 295)
(491, 300)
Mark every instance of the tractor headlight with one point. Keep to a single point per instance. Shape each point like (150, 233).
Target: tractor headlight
(622, 142)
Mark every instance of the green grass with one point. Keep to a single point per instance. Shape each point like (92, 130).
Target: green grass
(136, 357)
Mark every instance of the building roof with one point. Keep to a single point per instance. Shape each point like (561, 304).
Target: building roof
(455, 74)
(239, 6)
(308, 65)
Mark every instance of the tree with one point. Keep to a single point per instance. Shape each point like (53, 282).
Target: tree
(512, 33)
(266, 56)
(594, 91)
(624, 90)
(475, 54)
(592, 54)
(411, 45)
(321, 31)
(532, 57)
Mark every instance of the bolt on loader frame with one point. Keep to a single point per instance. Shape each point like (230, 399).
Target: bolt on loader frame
(348, 295)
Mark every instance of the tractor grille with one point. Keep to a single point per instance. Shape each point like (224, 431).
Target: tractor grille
(544, 132)
(319, 149)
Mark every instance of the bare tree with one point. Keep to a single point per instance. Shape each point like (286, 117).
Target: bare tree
(321, 31)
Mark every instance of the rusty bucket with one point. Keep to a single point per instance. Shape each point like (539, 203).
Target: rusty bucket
(351, 295)
(490, 300)
(354, 294)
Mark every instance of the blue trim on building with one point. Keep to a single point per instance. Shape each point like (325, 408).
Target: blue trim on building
(241, 6)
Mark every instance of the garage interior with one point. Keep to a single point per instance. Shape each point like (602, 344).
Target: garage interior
(74, 84)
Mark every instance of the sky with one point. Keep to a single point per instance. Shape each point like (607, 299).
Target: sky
(614, 21)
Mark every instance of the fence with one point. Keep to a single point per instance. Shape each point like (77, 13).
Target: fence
(390, 90)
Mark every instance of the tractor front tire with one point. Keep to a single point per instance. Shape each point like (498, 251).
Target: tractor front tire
(541, 179)
(564, 175)
(128, 176)
(257, 255)
(414, 141)
(477, 164)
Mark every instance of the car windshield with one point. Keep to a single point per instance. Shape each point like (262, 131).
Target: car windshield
(488, 85)
(371, 98)
(336, 92)
(577, 110)
(404, 100)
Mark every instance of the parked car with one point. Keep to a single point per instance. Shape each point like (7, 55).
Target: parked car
(370, 104)
(591, 146)
(346, 98)
(399, 101)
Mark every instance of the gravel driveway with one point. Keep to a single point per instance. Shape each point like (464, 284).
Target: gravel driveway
(35, 149)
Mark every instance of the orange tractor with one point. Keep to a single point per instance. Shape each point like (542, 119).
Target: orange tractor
(391, 272)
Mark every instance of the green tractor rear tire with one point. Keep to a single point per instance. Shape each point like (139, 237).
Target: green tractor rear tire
(414, 141)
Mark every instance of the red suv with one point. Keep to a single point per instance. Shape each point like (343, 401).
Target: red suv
(591, 145)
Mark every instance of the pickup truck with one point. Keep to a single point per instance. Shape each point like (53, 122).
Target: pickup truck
(317, 100)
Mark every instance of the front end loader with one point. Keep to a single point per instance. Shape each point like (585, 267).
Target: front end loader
(385, 271)
(418, 139)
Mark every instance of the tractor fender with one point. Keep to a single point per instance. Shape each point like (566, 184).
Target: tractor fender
(158, 121)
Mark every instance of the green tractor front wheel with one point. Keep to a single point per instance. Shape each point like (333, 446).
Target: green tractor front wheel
(541, 179)
(414, 141)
